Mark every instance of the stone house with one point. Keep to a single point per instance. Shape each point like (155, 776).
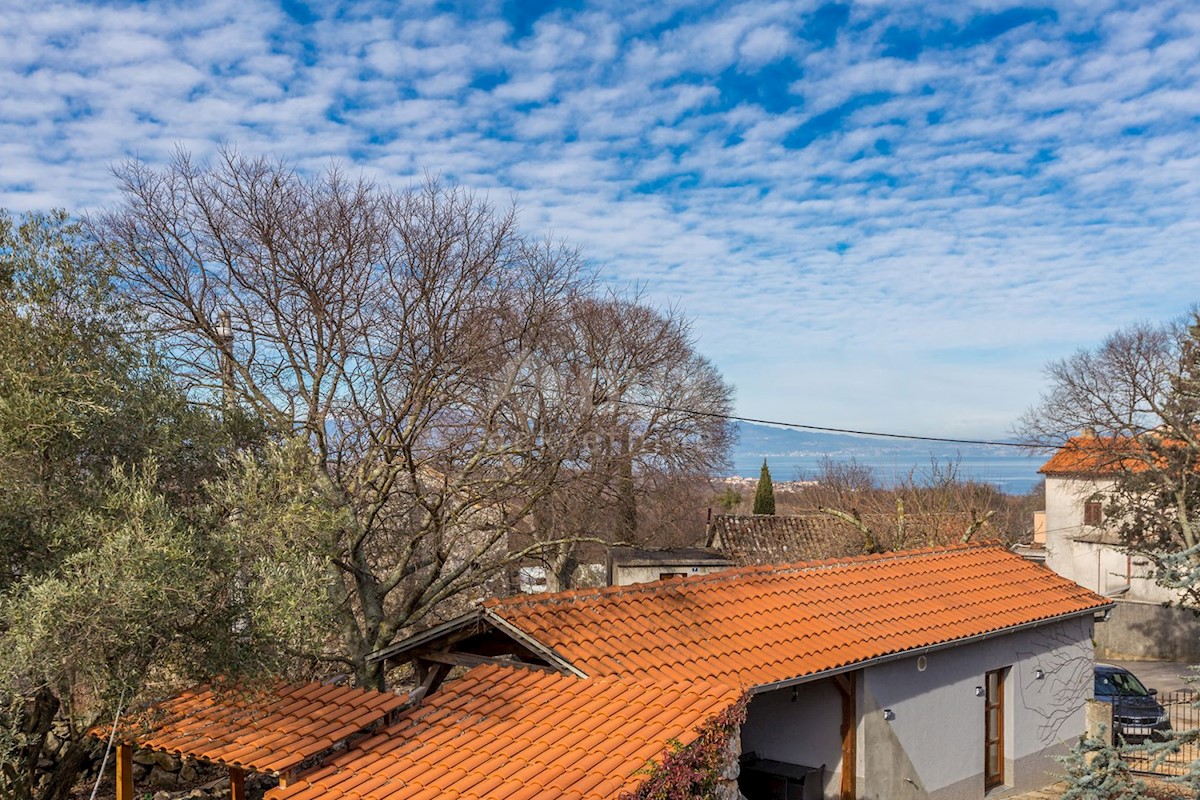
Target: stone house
(1083, 545)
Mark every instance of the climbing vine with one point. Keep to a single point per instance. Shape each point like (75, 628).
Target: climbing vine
(694, 771)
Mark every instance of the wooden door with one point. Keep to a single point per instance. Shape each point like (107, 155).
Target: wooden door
(993, 729)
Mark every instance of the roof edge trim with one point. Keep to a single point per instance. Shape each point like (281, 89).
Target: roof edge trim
(506, 627)
(427, 635)
(871, 662)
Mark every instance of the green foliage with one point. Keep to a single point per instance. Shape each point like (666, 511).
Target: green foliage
(127, 563)
(1096, 771)
(694, 771)
(282, 532)
(729, 499)
(764, 493)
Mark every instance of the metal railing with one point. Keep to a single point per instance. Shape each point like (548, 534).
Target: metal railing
(1145, 749)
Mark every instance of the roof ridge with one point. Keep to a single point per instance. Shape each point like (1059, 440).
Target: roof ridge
(496, 605)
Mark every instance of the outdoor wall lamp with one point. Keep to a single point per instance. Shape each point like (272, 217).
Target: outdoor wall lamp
(979, 691)
(1039, 674)
(888, 714)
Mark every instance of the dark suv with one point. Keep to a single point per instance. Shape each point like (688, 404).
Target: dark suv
(1137, 715)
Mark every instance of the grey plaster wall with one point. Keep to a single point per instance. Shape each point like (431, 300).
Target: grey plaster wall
(1149, 631)
(804, 730)
(626, 575)
(933, 748)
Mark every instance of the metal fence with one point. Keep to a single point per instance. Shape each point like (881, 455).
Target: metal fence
(1142, 750)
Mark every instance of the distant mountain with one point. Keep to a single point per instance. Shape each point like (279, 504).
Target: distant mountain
(765, 440)
(796, 454)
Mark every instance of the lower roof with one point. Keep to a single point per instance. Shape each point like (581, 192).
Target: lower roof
(510, 733)
(271, 729)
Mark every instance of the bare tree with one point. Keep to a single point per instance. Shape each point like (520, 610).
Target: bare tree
(435, 360)
(1137, 398)
(925, 507)
(661, 429)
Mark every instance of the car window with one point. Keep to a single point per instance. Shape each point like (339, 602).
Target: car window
(1104, 685)
(1127, 685)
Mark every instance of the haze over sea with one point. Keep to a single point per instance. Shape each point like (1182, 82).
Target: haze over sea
(797, 455)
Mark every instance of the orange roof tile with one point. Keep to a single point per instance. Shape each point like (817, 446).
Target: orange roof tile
(754, 626)
(268, 730)
(506, 733)
(1094, 455)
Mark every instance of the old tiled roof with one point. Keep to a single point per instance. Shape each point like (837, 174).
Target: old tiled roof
(270, 730)
(783, 539)
(510, 733)
(637, 556)
(754, 626)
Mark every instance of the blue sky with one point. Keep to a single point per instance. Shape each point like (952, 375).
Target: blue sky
(883, 215)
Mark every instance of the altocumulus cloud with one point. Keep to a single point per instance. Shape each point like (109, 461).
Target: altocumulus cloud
(882, 215)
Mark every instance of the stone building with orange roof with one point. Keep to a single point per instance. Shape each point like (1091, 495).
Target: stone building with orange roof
(1083, 545)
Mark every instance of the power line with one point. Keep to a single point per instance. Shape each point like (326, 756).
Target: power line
(826, 429)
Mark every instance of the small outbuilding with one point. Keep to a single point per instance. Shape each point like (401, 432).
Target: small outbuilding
(630, 565)
(945, 673)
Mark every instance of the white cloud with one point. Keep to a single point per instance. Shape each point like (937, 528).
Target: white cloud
(1015, 199)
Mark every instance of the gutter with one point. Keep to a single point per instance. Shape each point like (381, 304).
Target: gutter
(871, 662)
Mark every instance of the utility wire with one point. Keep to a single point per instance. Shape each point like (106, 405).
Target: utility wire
(108, 747)
(825, 429)
(801, 425)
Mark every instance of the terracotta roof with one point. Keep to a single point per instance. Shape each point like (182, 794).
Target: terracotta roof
(509, 733)
(757, 625)
(269, 730)
(1093, 455)
(783, 539)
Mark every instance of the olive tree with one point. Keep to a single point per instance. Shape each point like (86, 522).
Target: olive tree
(115, 563)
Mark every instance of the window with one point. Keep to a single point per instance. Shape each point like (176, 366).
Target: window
(662, 576)
(1092, 511)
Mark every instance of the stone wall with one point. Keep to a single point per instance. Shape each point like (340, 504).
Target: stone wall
(1149, 632)
(159, 776)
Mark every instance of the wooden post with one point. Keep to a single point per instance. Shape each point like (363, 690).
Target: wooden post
(124, 772)
(237, 784)
(847, 685)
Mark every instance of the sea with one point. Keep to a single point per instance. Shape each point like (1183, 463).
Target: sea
(1011, 473)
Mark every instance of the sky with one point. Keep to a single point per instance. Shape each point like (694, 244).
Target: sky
(878, 215)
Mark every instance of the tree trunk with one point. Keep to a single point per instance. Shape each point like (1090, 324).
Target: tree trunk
(71, 761)
(35, 726)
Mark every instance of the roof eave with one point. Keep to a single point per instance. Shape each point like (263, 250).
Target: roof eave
(426, 636)
(482, 617)
(871, 662)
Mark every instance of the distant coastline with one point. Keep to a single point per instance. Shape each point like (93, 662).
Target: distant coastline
(796, 456)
